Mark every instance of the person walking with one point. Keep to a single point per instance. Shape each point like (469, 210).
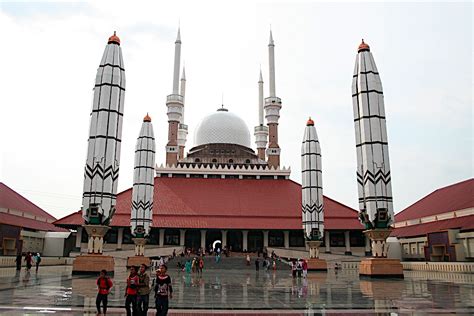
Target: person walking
(257, 264)
(299, 268)
(131, 292)
(247, 258)
(305, 268)
(293, 268)
(37, 261)
(143, 297)
(18, 262)
(201, 265)
(104, 283)
(28, 260)
(163, 291)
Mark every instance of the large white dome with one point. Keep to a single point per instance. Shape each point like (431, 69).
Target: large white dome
(222, 127)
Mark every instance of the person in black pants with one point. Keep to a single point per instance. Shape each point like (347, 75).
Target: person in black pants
(104, 283)
(163, 291)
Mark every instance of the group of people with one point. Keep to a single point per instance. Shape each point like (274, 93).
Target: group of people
(196, 265)
(30, 259)
(299, 268)
(137, 291)
(267, 263)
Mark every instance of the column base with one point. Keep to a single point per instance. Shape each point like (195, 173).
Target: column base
(381, 268)
(317, 265)
(348, 253)
(92, 264)
(327, 251)
(138, 260)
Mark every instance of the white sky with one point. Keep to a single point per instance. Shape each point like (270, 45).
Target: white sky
(50, 53)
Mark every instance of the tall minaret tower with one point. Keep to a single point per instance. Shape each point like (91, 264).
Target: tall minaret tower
(103, 152)
(175, 105)
(272, 111)
(182, 128)
(261, 131)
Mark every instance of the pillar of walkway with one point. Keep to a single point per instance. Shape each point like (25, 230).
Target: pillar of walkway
(224, 238)
(327, 241)
(162, 237)
(119, 238)
(286, 234)
(347, 242)
(245, 239)
(265, 238)
(79, 237)
(368, 251)
(182, 233)
(203, 239)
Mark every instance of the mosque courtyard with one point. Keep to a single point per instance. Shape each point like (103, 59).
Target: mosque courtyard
(238, 289)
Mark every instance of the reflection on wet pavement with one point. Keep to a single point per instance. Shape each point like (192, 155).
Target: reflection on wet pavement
(55, 288)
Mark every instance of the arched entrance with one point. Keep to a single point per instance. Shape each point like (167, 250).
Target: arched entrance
(276, 238)
(192, 239)
(234, 240)
(211, 236)
(255, 241)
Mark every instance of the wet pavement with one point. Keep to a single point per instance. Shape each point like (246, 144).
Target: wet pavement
(55, 290)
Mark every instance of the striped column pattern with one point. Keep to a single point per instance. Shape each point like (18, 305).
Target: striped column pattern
(373, 167)
(105, 136)
(142, 194)
(312, 184)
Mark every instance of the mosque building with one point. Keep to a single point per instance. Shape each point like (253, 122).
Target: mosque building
(224, 190)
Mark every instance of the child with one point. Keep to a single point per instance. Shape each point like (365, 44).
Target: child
(104, 283)
(163, 291)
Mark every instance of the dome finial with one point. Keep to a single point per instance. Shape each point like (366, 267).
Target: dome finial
(363, 47)
(114, 39)
(147, 118)
(310, 122)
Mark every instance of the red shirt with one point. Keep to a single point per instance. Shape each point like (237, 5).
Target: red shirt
(132, 285)
(104, 284)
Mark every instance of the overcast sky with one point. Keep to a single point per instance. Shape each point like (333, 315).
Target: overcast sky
(50, 53)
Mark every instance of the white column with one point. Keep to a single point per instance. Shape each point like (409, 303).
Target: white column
(327, 241)
(265, 238)
(368, 251)
(120, 238)
(287, 238)
(182, 232)
(162, 237)
(224, 238)
(203, 239)
(245, 239)
(348, 242)
(79, 237)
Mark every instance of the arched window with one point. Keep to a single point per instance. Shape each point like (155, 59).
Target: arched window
(247, 160)
(231, 160)
(197, 160)
(214, 160)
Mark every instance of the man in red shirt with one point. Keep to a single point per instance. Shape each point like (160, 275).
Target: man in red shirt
(131, 291)
(104, 283)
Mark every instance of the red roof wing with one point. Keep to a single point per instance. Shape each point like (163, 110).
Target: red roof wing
(455, 197)
(463, 223)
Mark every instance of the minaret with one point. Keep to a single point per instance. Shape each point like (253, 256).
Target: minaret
(182, 128)
(373, 167)
(272, 111)
(105, 136)
(261, 131)
(141, 218)
(312, 184)
(175, 105)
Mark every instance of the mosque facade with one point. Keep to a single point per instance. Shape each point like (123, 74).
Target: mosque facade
(222, 189)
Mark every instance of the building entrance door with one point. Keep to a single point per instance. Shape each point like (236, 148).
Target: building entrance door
(234, 240)
(211, 236)
(255, 241)
(192, 239)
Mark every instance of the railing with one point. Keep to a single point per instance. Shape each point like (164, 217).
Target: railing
(457, 267)
(174, 97)
(7, 261)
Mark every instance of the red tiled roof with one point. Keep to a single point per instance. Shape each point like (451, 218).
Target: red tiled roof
(227, 204)
(455, 197)
(11, 200)
(463, 223)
